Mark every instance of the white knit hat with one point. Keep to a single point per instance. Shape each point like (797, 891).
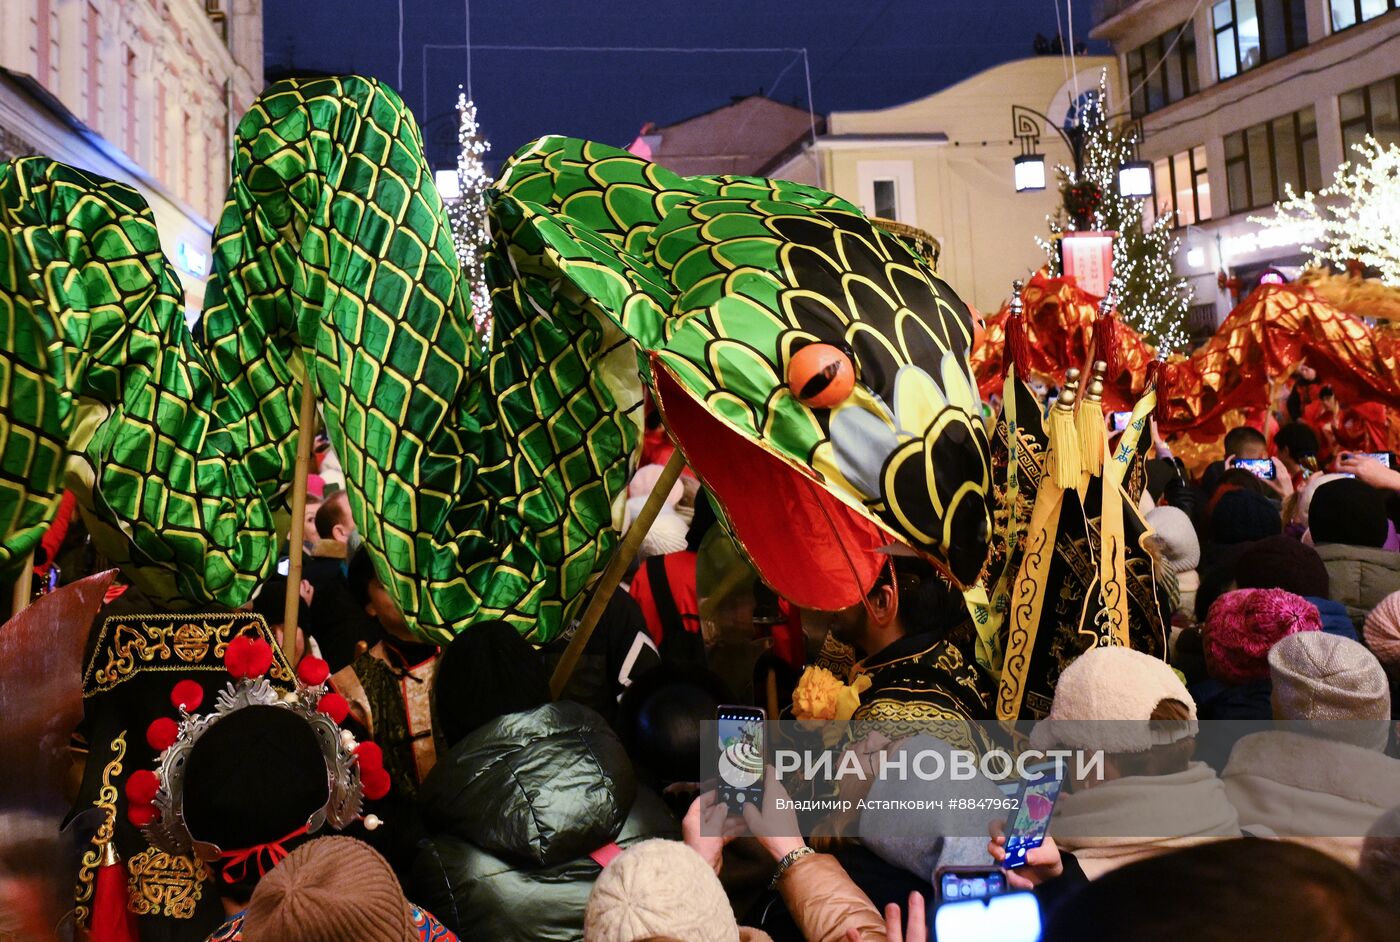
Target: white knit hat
(1104, 700)
(1181, 549)
(667, 535)
(658, 887)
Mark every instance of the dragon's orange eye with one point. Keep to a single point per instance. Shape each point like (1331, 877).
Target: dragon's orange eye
(821, 375)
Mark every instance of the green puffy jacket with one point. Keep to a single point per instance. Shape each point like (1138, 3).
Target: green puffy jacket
(515, 809)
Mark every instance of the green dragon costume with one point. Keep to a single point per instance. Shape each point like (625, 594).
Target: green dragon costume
(486, 484)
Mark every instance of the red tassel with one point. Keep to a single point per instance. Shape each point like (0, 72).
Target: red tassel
(111, 920)
(1017, 351)
(1106, 345)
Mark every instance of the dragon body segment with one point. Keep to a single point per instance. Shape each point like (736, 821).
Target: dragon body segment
(812, 367)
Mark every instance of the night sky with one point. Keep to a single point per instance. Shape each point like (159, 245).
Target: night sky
(863, 54)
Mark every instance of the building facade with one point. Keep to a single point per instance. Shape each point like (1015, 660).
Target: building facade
(147, 92)
(1240, 98)
(943, 164)
(741, 137)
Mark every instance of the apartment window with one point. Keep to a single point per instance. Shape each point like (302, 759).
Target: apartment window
(1350, 12)
(1163, 70)
(1261, 160)
(1251, 32)
(1372, 109)
(1183, 188)
(887, 189)
(886, 202)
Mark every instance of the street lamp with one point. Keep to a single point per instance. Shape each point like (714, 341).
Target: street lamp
(1135, 180)
(1030, 172)
(1134, 177)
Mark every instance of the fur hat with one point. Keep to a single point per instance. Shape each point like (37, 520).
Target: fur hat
(1305, 496)
(658, 888)
(1110, 684)
(330, 889)
(1181, 550)
(1322, 677)
(1350, 512)
(1382, 633)
(1281, 562)
(1243, 625)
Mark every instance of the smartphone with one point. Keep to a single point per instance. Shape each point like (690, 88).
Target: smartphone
(1262, 468)
(1010, 917)
(742, 756)
(1382, 456)
(958, 883)
(283, 567)
(1119, 421)
(1035, 801)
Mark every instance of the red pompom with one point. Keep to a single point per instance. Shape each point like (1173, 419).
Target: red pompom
(187, 695)
(236, 656)
(141, 815)
(313, 671)
(375, 783)
(162, 733)
(370, 755)
(259, 657)
(141, 787)
(335, 706)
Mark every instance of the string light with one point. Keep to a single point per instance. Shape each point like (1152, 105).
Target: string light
(1154, 300)
(1360, 218)
(470, 229)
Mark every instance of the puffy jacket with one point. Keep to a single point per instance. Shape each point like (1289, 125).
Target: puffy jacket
(1335, 620)
(515, 809)
(1360, 576)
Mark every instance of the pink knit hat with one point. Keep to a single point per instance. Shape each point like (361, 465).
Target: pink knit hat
(1243, 625)
(1382, 633)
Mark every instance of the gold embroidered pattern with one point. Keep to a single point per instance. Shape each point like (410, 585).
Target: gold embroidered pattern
(131, 644)
(164, 884)
(92, 858)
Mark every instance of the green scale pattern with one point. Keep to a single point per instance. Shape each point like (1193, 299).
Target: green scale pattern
(487, 483)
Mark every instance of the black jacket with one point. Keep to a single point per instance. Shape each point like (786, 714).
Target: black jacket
(515, 809)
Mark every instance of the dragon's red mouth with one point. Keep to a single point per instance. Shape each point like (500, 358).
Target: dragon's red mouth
(808, 545)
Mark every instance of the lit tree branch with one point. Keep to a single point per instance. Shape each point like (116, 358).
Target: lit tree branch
(1357, 217)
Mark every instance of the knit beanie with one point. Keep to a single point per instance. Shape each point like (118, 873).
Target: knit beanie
(1117, 684)
(1281, 562)
(1348, 511)
(1382, 633)
(487, 671)
(329, 890)
(1242, 516)
(644, 482)
(658, 888)
(1181, 550)
(667, 534)
(1322, 677)
(1243, 625)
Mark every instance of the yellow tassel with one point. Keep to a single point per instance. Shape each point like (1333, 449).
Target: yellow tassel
(1066, 464)
(1089, 420)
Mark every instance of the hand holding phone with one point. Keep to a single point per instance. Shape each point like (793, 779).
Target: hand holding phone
(1035, 802)
(742, 756)
(1261, 468)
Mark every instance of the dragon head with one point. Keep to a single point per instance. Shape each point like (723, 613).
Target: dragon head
(812, 367)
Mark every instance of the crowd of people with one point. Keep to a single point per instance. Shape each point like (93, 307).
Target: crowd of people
(512, 815)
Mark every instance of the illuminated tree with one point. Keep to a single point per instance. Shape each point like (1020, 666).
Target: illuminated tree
(1357, 217)
(1153, 299)
(470, 231)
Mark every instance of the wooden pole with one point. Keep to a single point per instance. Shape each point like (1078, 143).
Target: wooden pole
(306, 433)
(24, 585)
(612, 574)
